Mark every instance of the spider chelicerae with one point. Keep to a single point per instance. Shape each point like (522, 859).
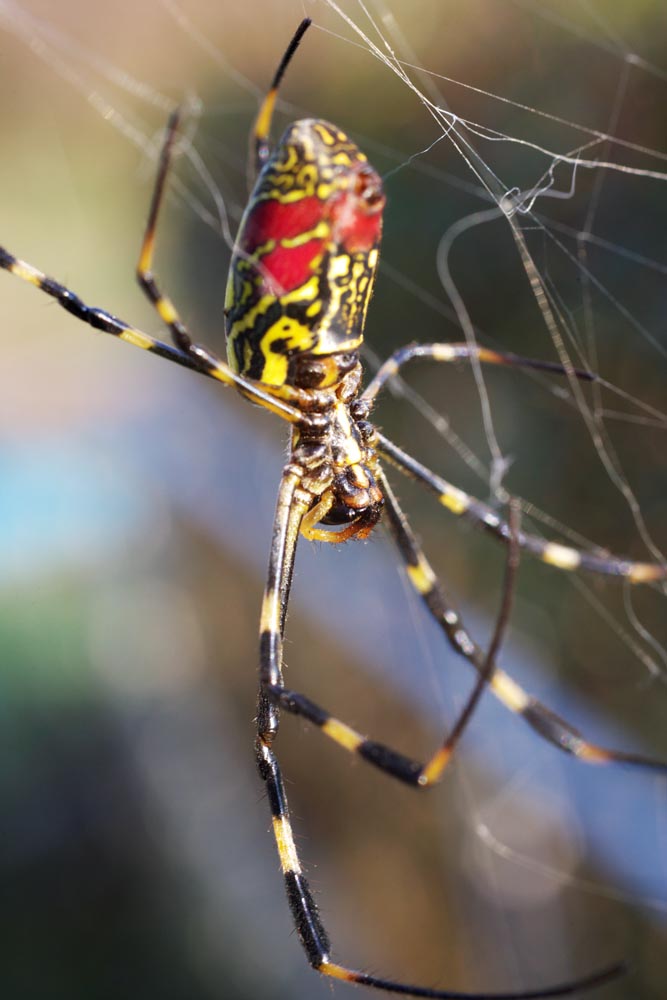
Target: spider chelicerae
(300, 282)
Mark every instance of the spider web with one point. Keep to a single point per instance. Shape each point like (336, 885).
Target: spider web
(524, 158)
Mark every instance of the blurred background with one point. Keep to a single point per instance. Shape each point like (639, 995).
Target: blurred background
(137, 500)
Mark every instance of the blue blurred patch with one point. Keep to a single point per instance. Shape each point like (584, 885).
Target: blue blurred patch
(62, 506)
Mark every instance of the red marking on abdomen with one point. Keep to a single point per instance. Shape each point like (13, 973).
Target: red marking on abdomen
(283, 268)
(271, 220)
(289, 267)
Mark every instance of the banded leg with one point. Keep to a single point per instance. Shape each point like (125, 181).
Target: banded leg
(147, 282)
(393, 763)
(278, 401)
(463, 352)
(561, 556)
(259, 150)
(546, 723)
(550, 726)
(311, 931)
(288, 516)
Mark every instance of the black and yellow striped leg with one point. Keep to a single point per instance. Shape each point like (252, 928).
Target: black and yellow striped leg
(290, 510)
(462, 352)
(204, 363)
(260, 150)
(163, 304)
(393, 763)
(313, 935)
(554, 554)
(550, 726)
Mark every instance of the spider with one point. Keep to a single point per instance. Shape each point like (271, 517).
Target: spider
(300, 281)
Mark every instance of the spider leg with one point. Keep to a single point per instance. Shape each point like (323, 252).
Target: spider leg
(546, 723)
(260, 150)
(561, 556)
(147, 282)
(550, 726)
(461, 352)
(279, 400)
(385, 758)
(290, 509)
(433, 770)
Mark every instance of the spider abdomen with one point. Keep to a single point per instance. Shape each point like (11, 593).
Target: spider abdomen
(304, 264)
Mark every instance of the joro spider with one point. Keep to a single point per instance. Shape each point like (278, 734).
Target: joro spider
(300, 281)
